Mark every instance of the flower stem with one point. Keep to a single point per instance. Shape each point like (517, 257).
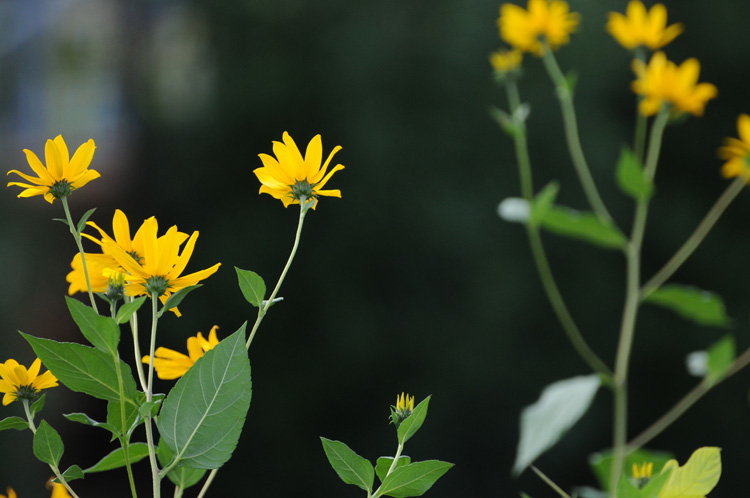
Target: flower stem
(550, 482)
(208, 482)
(630, 312)
(394, 464)
(137, 348)
(537, 249)
(149, 396)
(77, 237)
(565, 95)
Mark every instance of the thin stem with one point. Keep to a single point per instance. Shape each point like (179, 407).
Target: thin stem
(149, 395)
(630, 312)
(550, 482)
(641, 121)
(137, 348)
(695, 239)
(394, 464)
(572, 137)
(535, 241)
(77, 237)
(685, 403)
(208, 482)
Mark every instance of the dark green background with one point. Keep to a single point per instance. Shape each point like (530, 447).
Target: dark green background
(410, 282)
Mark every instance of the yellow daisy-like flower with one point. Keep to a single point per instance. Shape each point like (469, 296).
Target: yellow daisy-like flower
(640, 28)
(19, 383)
(11, 493)
(170, 364)
(62, 174)
(290, 177)
(736, 151)
(97, 265)
(548, 21)
(504, 61)
(58, 490)
(160, 269)
(662, 81)
(405, 403)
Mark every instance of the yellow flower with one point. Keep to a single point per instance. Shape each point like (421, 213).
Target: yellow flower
(160, 269)
(97, 265)
(544, 21)
(11, 493)
(504, 61)
(737, 151)
(170, 364)
(290, 177)
(62, 174)
(662, 81)
(405, 403)
(641, 28)
(58, 490)
(18, 383)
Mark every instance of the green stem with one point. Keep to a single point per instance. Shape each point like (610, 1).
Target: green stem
(208, 482)
(695, 239)
(641, 121)
(77, 237)
(55, 469)
(632, 301)
(394, 464)
(571, 134)
(550, 482)
(156, 478)
(540, 259)
(137, 348)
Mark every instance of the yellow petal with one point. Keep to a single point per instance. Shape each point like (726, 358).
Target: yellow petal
(54, 163)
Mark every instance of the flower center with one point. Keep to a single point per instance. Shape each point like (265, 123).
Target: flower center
(157, 284)
(27, 392)
(61, 189)
(302, 189)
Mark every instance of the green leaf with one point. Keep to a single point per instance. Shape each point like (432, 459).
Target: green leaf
(84, 419)
(557, 410)
(413, 422)
(696, 478)
(84, 369)
(176, 298)
(721, 357)
(631, 178)
(350, 467)
(16, 423)
(116, 458)
(384, 463)
(127, 309)
(601, 463)
(252, 286)
(182, 477)
(37, 405)
(506, 122)
(583, 226)
(101, 331)
(48, 446)
(82, 222)
(130, 421)
(543, 202)
(71, 474)
(151, 406)
(691, 303)
(413, 479)
(203, 415)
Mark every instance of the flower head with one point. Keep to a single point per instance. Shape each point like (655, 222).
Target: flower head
(736, 151)
(58, 490)
(62, 175)
(170, 364)
(642, 473)
(504, 61)
(545, 21)
(404, 407)
(662, 81)
(19, 383)
(640, 28)
(291, 177)
(11, 493)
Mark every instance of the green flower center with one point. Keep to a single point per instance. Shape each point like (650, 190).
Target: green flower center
(61, 189)
(157, 284)
(27, 393)
(135, 256)
(303, 189)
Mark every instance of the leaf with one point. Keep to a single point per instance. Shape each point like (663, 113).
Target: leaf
(631, 178)
(557, 410)
(583, 226)
(82, 222)
(131, 421)
(16, 423)
(116, 458)
(384, 463)
(721, 357)
(84, 369)
(176, 298)
(252, 286)
(696, 478)
(601, 463)
(543, 201)
(203, 415)
(350, 467)
(101, 331)
(71, 474)
(413, 422)
(84, 419)
(127, 309)
(413, 479)
(691, 303)
(37, 405)
(182, 477)
(48, 446)
(506, 122)
(151, 406)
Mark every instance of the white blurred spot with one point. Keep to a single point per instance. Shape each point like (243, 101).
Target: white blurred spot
(514, 210)
(697, 363)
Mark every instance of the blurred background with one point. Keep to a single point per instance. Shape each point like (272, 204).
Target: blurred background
(409, 282)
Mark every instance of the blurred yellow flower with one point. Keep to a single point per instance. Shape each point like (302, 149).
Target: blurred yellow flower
(170, 364)
(58, 490)
(96, 264)
(62, 175)
(11, 493)
(662, 81)
(549, 20)
(18, 383)
(640, 28)
(736, 151)
(504, 61)
(290, 177)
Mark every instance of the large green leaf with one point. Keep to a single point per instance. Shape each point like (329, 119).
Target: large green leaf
(691, 303)
(182, 477)
(116, 458)
(203, 415)
(601, 463)
(101, 331)
(384, 463)
(252, 286)
(696, 478)
(631, 178)
(413, 422)
(48, 446)
(16, 423)
(350, 467)
(583, 226)
(413, 479)
(557, 410)
(84, 369)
